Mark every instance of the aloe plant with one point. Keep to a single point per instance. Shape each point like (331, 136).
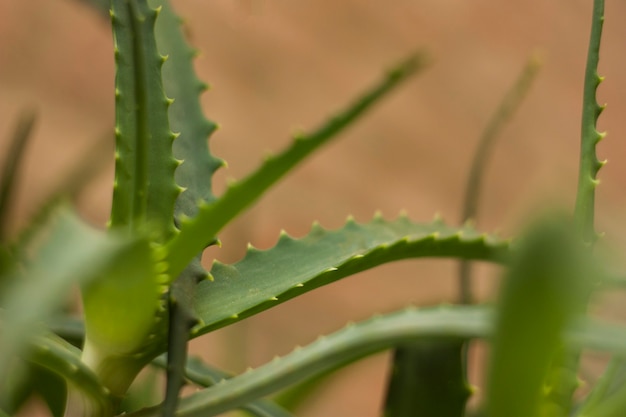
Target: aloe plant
(145, 292)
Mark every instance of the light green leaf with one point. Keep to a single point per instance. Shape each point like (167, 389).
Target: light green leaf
(123, 317)
(541, 294)
(69, 253)
(64, 360)
(608, 396)
(295, 266)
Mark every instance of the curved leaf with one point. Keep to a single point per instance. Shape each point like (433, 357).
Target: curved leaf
(70, 253)
(197, 232)
(64, 360)
(12, 163)
(295, 266)
(359, 340)
(333, 351)
(205, 376)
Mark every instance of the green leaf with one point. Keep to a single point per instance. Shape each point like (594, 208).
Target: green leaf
(144, 193)
(12, 162)
(64, 360)
(358, 340)
(427, 379)
(205, 376)
(124, 317)
(29, 380)
(185, 113)
(69, 253)
(510, 103)
(608, 396)
(193, 175)
(542, 293)
(333, 351)
(589, 164)
(295, 266)
(52, 389)
(197, 232)
(430, 379)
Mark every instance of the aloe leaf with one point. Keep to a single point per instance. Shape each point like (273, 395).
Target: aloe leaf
(123, 317)
(294, 397)
(295, 266)
(197, 232)
(69, 254)
(144, 192)
(64, 360)
(35, 380)
(12, 163)
(193, 175)
(589, 164)
(144, 392)
(333, 351)
(52, 389)
(199, 373)
(68, 187)
(607, 397)
(566, 382)
(427, 379)
(542, 293)
(185, 113)
(430, 379)
(362, 339)
(181, 321)
(503, 114)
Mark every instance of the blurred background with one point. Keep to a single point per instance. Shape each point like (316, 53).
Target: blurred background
(280, 66)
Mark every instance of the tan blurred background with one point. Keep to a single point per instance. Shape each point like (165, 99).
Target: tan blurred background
(277, 66)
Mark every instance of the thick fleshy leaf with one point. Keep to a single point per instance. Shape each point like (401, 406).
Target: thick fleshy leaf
(333, 351)
(185, 113)
(541, 295)
(64, 360)
(123, 321)
(11, 165)
(196, 233)
(29, 380)
(203, 375)
(608, 396)
(589, 164)
(69, 253)
(427, 379)
(144, 192)
(371, 336)
(295, 266)
(193, 175)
